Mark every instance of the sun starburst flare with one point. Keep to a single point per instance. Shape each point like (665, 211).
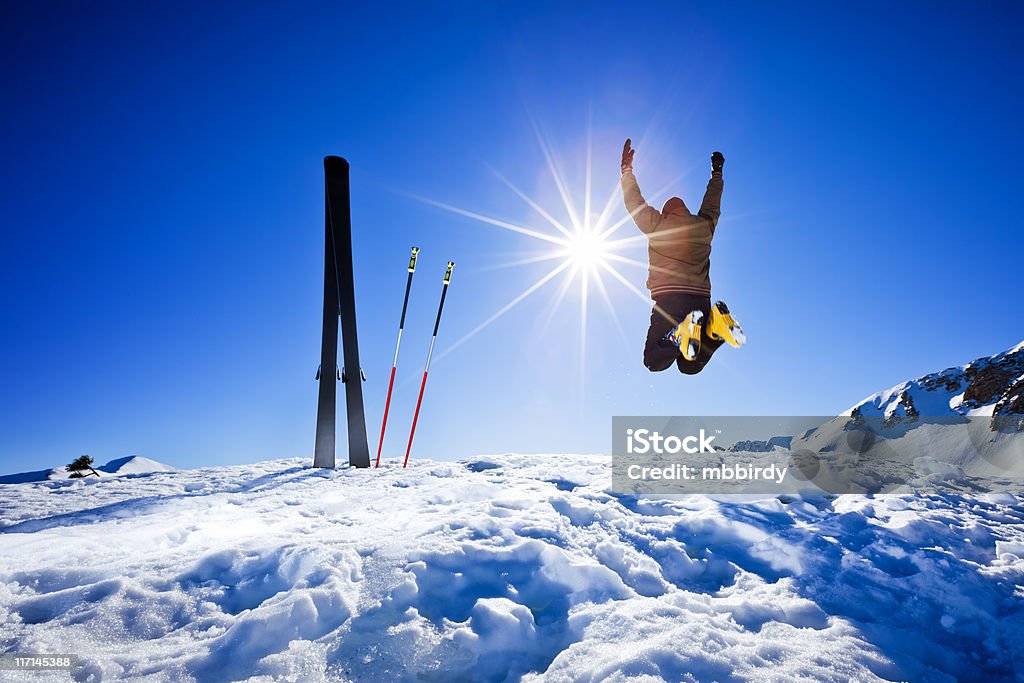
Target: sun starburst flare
(581, 247)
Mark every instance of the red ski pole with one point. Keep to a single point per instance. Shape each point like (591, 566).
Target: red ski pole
(394, 365)
(426, 369)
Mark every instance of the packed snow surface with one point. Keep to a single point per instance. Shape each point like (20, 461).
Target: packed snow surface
(502, 568)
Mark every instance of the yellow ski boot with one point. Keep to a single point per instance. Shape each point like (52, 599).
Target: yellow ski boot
(686, 335)
(723, 326)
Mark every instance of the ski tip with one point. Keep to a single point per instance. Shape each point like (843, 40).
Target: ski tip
(333, 163)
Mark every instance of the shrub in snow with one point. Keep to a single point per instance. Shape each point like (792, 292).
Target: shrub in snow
(79, 466)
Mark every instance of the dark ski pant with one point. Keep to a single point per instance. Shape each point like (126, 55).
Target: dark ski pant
(668, 311)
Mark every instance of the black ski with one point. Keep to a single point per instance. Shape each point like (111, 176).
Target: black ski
(339, 301)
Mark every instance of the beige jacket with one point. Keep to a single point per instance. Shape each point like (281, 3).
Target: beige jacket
(678, 242)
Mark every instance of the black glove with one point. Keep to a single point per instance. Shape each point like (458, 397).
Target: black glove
(627, 158)
(717, 160)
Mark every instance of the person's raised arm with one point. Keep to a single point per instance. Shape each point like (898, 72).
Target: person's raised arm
(711, 207)
(645, 216)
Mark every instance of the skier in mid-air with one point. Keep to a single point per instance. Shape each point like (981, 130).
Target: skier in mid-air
(685, 328)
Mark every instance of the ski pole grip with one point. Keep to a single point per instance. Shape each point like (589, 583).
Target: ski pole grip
(412, 259)
(448, 273)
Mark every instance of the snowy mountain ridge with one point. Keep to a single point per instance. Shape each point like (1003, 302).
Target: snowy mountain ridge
(762, 446)
(986, 386)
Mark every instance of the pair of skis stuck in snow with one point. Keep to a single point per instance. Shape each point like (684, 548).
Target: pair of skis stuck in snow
(398, 345)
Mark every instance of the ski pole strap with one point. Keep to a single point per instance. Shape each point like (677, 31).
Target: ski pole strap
(412, 259)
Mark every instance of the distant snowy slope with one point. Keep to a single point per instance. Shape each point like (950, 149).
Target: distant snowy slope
(502, 568)
(25, 477)
(970, 417)
(133, 464)
(760, 446)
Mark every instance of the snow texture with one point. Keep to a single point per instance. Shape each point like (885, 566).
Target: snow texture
(502, 568)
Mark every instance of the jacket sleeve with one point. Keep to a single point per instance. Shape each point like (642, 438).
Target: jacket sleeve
(711, 207)
(645, 216)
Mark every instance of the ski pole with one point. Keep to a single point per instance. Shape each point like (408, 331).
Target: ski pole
(426, 368)
(394, 365)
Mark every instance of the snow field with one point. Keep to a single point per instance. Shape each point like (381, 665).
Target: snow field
(502, 568)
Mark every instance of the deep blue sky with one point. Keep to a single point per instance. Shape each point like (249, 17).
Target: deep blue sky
(162, 211)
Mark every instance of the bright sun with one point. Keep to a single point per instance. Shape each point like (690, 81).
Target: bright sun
(587, 250)
(580, 245)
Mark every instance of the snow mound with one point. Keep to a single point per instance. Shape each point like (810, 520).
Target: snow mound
(133, 464)
(503, 568)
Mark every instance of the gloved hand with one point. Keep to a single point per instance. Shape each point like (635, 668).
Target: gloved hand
(627, 158)
(717, 160)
